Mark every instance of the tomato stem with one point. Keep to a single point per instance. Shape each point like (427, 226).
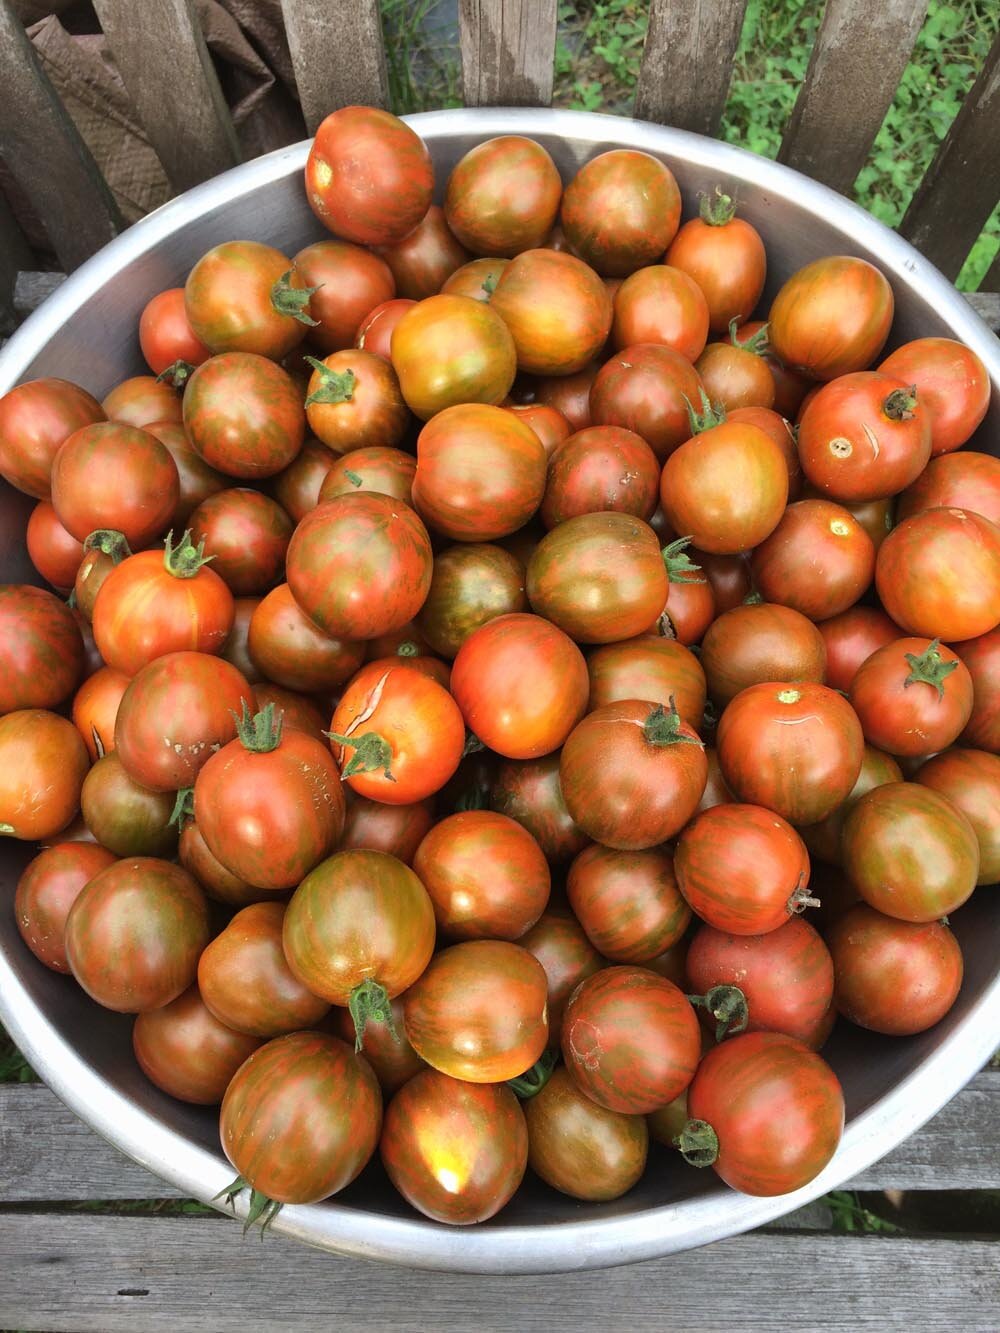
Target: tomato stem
(716, 209)
(408, 649)
(900, 404)
(757, 343)
(289, 300)
(698, 1142)
(109, 542)
(533, 1080)
(176, 374)
(728, 1005)
(259, 732)
(184, 560)
(183, 807)
(372, 752)
(800, 899)
(262, 1208)
(335, 386)
(489, 284)
(753, 599)
(369, 1003)
(928, 668)
(680, 567)
(663, 727)
(711, 414)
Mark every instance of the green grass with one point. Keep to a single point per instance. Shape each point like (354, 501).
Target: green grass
(849, 1214)
(14, 1068)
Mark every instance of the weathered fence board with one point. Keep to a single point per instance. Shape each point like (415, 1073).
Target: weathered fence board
(15, 255)
(687, 62)
(338, 55)
(508, 51)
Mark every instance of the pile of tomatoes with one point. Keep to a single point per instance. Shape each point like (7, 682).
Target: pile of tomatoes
(482, 728)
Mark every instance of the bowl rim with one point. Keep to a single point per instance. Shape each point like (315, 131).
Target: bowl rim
(490, 1248)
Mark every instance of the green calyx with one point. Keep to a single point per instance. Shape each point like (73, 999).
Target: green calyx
(185, 559)
(753, 599)
(533, 1080)
(680, 567)
(369, 1003)
(489, 284)
(698, 1142)
(262, 1209)
(663, 727)
(336, 386)
(757, 343)
(109, 542)
(259, 732)
(929, 668)
(728, 1006)
(901, 403)
(354, 478)
(408, 649)
(372, 754)
(292, 301)
(183, 807)
(711, 415)
(716, 209)
(177, 374)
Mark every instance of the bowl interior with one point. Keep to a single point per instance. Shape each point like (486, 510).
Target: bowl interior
(87, 333)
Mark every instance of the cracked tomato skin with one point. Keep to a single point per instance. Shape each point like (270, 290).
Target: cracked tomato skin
(36, 419)
(630, 1039)
(360, 566)
(301, 1117)
(186, 1051)
(244, 415)
(41, 651)
(43, 762)
(49, 886)
(777, 1108)
(456, 1151)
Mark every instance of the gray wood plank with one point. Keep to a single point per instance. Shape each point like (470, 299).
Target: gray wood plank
(338, 55)
(508, 51)
(15, 254)
(860, 53)
(986, 303)
(46, 155)
(961, 187)
(687, 62)
(31, 289)
(188, 1274)
(173, 86)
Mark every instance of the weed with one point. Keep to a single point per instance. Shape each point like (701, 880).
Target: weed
(850, 1215)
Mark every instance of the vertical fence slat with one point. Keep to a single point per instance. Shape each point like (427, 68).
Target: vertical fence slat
(961, 187)
(508, 51)
(861, 51)
(338, 55)
(46, 155)
(15, 255)
(168, 73)
(687, 62)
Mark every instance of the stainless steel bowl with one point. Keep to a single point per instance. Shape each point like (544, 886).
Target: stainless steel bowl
(87, 332)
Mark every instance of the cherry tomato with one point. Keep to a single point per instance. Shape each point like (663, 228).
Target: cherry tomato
(559, 943)
(48, 887)
(118, 477)
(142, 400)
(346, 284)
(375, 331)
(627, 902)
(646, 389)
(503, 196)
(123, 816)
(598, 470)
(185, 1050)
(657, 669)
(244, 415)
(662, 305)
(291, 651)
(760, 642)
(970, 779)
(557, 310)
(54, 552)
(36, 419)
(621, 210)
(450, 351)
(166, 335)
(353, 401)
(850, 639)
(817, 560)
(41, 652)
(965, 480)
(831, 317)
(725, 256)
(425, 258)
(43, 763)
(952, 383)
(912, 697)
(243, 296)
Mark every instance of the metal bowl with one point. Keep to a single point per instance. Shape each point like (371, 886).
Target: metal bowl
(87, 332)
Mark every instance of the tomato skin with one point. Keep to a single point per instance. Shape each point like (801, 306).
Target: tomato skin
(244, 415)
(823, 838)
(301, 1117)
(95, 708)
(966, 480)
(643, 388)
(818, 560)
(479, 1011)
(777, 1108)
(471, 584)
(456, 1151)
(114, 476)
(630, 1040)
(48, 887)
(392, 1058)
(953, 385)
(599, 577)
(785, 974)
(728, 263)
(423, 261)
(476, 279)
(970, 779)
(197, 481)
(219, 883)
(909, 852)
(795, 749)
(832, 317)
(550, 425)
(620, 211)
(228, 300)
(486, 213)
(772, 423)
(359, 915)
(598, 470)
(124, 817)
(662, 305)
(449, 351)
(689, 611)
(982, 657)
(296, 488)
(529, 792)
(360, 565)
(374, 333)
(850, 639)
(247, 985)
(521, 684)
(627, 902)
(298, 712)
(41, 652)
(135, 933)
(896, 977)
(351, 282)
(185, 1050)
(373, 411)
(740, 867)
(760, 642)
(384, 470)
(288, 648)
(735, 376)
(376, 827)
(657, 669)
(246, 534)
(54, 552)
(36, 419)
(43, 763)
(569, 395)
(938, 574)
(560, 944)
(142, 400)
(557, 310)
(625, 786)
(909, 716)
(166, 335)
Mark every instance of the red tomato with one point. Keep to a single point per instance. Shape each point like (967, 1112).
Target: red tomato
(384, 470)
(818, 560)
(725, 256)
(850, 639)
(43, 763)
(657, 669)
(472, 583)
(982, 657)
(558, 941)
(425, 258)
(218, 882)
(529, 791)
(296, 487)
(166, 335)
(95, 708)
(246, 536)
(953, 385)
(196, 479)
(621, 211)
(736, 376)
(375, 827)
(244, 415)
(477, 279)
(503, 196)
(36, 419)
(598, 470)
(774, 424)
(243, 296)
(646, 389)
(823, 837)
(557, 310)
(346, 284)
(54, 552)
(298, 712)
(965, 480)
(662, 305)
(118, 477)
(569, 395)
(690, 607)
(970, 779)
(187, 1052)
(374, 333)
(392, 1058)
(141, 401)
(627, 902)
(48, 887)
(353, 401)
(831, 317)
(449, 351)
(760, 642)
(548, 423)
(912, 697)
(41, 652)
(291, 651)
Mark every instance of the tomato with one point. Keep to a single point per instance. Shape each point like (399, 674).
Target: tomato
(548, 423)
(296, 487)
(452, 350)
(850, 638)
(396, 732)
(912, 697)
(952, 383)
(141, 401)
(353, 401)
(245, 982)
(374, 333)
(620, 211)
(243, 296)
(569, 395)
(818, 560)
(218, 882)
(760, 642)
(627, 902)
(471, 584)
(477, 279)
(124, 817)
(725, 256)
(970, 779)
(290, 650)
(646, 389)
(423, 260)
(795, 749)
(376, 827)
(559, 943)
(690, 607)
(909, 852)
(300, 1119)
(246, 536)
(384, 470)
(786, 975)
(632, 774)
(598, 470)
(774, 424)
(392, 1058)
(360, 565)
(456, 1151)
(832, 317)
(187, 1052)
(43, 763)
(36, 419)
(736, 375)
(790, 387)
(965, 480)
(41, 652)
(244, 415)
(557, 310)
(345, 283)
(114, 476)
(657, 669)
(726, 487)
(174, 715)
(938, 574)
(298, 712)
(660, 305)
(529, 791)
(767, 1112)
(982, 657)
(54, 552)
(896, 977)
(823, 837)
(521, 684)
(95, 708)
(135, 933)
(166, 335)
(503, 196)
(196, 479)
(48, 887)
